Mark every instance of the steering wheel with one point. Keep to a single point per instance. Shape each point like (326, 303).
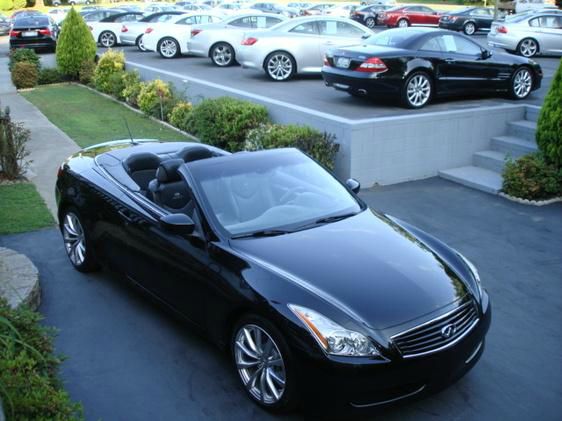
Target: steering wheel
(289, 194)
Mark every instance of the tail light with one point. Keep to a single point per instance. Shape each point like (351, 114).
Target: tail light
(124, 29)
(148, 30)
(15, 33)
(372, 65)
(502, 29)
(45, 31)
(195, 32)
(249, 41)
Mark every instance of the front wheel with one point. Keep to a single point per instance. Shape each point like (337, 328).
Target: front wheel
(108, 39)
(222, 54)
(417, 90)
(264, 363)
(77, 242)
(169, 48)
(403, 23)
(280, 66)
(469, 28)
(521, 84)
(528, 47)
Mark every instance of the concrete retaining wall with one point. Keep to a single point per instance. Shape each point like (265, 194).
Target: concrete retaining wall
(382, 150)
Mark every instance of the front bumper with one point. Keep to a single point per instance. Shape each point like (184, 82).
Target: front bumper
(370, 383)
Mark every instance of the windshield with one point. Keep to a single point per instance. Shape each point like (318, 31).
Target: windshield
(269, 190)
(393, 37)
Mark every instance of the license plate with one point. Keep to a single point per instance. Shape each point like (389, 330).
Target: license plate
(29, 34)
(343, 62)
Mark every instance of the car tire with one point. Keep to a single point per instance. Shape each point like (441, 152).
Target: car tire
(168, 48)
(402, 23)
(77, 242)
(140, 44)
(280, 376)
(469, 28)
(107, 39)
(222, 54)
(417, 91)
(528, 47)
(280, 66)
(521, 83)
(370, 23)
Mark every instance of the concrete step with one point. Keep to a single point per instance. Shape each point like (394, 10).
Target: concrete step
(490, 160)
(514, 147)
(532, 113)
(523, 129)
(475, 177)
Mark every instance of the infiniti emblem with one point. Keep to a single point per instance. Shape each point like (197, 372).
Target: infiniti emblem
(448, 331)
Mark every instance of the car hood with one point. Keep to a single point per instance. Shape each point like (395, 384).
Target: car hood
(366, 263)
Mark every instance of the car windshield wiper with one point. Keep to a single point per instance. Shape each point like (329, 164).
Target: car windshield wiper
(335, 218)
(262, 233)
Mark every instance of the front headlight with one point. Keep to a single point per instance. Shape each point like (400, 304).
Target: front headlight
(475, 273)
(333, 338)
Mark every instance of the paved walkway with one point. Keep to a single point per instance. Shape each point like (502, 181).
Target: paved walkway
(49, 146)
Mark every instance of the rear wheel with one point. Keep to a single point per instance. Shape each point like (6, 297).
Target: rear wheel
(77, 242)
(417, 90)
(528, 47)
(280, 66)
(521, 84)
(107, 39)
(168, 48)
(403, 23)
(222, 54)
(140, 44)
(370, 23)
(469, 28)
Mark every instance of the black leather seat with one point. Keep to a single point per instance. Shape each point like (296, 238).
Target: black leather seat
(169, 190)
(142, 168)
(194, 153)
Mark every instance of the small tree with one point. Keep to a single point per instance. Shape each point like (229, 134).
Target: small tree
(13, 139)
(549, 127)
(75, 45)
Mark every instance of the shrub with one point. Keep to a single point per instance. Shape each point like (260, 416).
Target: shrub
(549, 127)
(132, 87)
(116, 85)
(6, 4)
(86, 72)
(49, 75)
(531, 177)
(320, 146)
(30, 387)
(109, 63)
(156, 98)
(23, 55)
(75, 45)
(224, 122)
(25, 75)
(179, 116)
(13, 139)
(19, 4)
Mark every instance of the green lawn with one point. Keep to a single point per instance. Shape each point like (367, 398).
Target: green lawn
(89, 118)
(22, 209)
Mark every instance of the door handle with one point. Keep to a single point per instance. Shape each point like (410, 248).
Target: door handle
(450, 60)
(126, 215)
(329, 43)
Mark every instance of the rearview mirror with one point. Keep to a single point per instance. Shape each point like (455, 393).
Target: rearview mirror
(353, 185)
(177, 223)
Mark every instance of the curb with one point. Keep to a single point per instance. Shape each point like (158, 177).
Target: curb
(19, 280)
(530, 202)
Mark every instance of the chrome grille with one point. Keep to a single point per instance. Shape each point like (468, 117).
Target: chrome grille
(439, 333)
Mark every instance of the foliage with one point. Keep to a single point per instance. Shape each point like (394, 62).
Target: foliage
(156, 98)
(109, 63)
(30, 387)
(86, 72)
(531, 177)
(224, 122)
(116, 85)
(6, 4)
(13, 139)
(89, 118)
(131, 87)
(23, 55)
(22, 209)
(549, 127)
(24, 75)
(19, 4)
(320, 146)
(179, 116)
(50, 75)
(75, 45)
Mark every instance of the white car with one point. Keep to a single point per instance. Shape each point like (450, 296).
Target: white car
(220, 41)
(58, 14)
(158, 7)
(106, 32)
(170, 39)
(229, 9)
(342, 10)
(132, 32)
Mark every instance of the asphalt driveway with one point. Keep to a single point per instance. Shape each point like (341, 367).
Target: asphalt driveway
(129, 360)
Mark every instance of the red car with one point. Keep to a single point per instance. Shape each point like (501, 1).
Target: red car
(403, 16)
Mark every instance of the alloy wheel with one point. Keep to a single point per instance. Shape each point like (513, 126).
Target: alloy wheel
(74, 239)
(222, 55)
(522, 83)
(107, 39)
(168, 48)
(403, 23)
(260, 364)
(528, 47)
(280, 67)
(469, 28)
(140, 44)
(418, 90)
(370, 23)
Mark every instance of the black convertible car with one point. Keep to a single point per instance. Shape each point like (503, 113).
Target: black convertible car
(315, 295)
(417, 64)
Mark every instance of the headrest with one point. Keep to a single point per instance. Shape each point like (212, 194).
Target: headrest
(194, 153)
(167, 172)
(142, 161)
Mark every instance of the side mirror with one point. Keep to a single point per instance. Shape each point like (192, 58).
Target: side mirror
(177, 223)
(353, 185)
(365, 36)
(486, 54)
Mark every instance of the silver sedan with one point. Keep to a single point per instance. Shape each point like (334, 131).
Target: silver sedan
(298, 45)
(529, 35)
